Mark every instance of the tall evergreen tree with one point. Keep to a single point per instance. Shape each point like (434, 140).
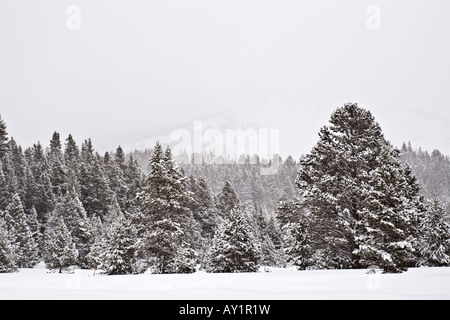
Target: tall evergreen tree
(435, 236)
(296, 230)
(298, 244)
(71, 153)
(331, 180)
(39, 188)
(120, 158)
(165, 213)
(18, 166)
(7, 255)
(267, 235)
(116, 254)
(35, 229)
(116, 180)
(56, 165)
(60, 251)
(203, 207)
(70, 208)
(227, 200)
(287, 210)
(72, 163)
(95, 193)
(133, 179)
(23, 242)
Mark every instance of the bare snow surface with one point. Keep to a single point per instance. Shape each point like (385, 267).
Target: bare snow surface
(279, 284)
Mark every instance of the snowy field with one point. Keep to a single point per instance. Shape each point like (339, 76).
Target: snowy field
(279, 284)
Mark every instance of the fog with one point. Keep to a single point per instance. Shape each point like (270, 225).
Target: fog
(121, 72)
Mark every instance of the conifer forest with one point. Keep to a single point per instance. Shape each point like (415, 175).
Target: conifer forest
(353, 201)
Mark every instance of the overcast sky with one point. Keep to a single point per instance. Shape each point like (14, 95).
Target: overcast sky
(137, 69)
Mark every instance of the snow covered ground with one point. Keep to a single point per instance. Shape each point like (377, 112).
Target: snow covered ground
(280, 284)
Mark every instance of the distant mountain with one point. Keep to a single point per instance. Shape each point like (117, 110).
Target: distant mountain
(294, 125)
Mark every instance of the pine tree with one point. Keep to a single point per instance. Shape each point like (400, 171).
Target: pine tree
(95, 193)
(18, 165)
(60, 251)
(97, 230)
(72, 163)
(70, 208)
(35, 229)
(56, 165)
(185, 261)
(296, 230)
(119, 158)
(267, 235)
(23, 242)
(160, 245)
(133, 180)
(297, 244)
(149, 198)
(14, 171)
(435, 237)
(95, 255)
(179, 204)
(330, 178)
(7, 256)
(228, 199)
(114, 211)
(116, 179)
(116, 255)
(287, 210)
(165, 213)
(203, 207)
(234, 248)
(71, 153)
(416, 210)
(39, 192)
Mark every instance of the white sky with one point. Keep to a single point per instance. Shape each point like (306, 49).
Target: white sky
(137, 69)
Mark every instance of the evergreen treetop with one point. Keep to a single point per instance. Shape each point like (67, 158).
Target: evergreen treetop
(3, 138)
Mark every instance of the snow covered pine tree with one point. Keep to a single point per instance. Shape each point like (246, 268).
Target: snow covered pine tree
(7, 255)
(335, 180)
(234, 248)
(59, 250)
(23, 244)
(435, 236)
(165, 217)
(117, 255)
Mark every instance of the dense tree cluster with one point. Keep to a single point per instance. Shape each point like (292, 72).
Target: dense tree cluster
(432, 172)
(352, 202)
(245, 177)
(56, 202)
(67, 205)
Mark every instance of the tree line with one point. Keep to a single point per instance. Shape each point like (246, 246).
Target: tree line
(352, 202)
(66, 205)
